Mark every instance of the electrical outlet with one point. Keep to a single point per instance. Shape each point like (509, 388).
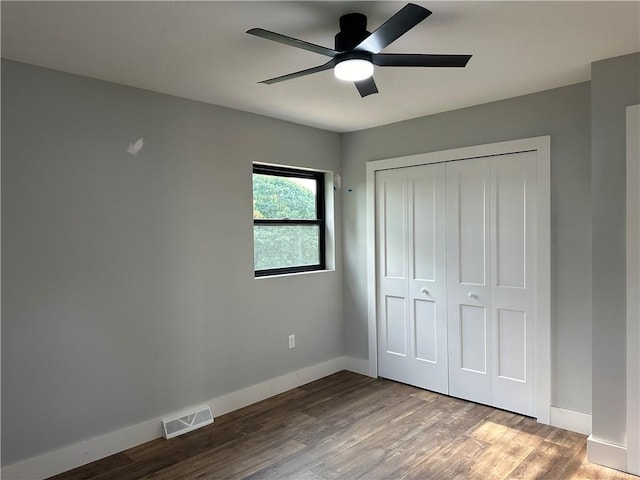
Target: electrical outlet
(292, 341)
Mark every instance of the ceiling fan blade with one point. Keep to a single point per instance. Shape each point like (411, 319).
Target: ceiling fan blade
(366, 87)
(419, 60)
(403, 21)
(294, 42)
(321, 68)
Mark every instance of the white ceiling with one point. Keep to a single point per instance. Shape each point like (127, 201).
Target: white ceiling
(199, 51)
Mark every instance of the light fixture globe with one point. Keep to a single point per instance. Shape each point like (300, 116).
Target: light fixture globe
(353, 70)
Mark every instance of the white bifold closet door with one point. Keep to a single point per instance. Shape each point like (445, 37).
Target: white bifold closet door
(491, 280)
(411, 258)
(456, 278)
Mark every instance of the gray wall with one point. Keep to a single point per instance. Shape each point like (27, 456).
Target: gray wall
(128, 288)
(615, 84)
(562, 113)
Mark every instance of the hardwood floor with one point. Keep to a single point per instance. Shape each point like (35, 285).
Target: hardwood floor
(350, 426)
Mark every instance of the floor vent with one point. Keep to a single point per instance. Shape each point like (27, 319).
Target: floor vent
(186, 422)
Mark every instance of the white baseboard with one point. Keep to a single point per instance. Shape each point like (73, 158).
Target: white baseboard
(67, 458)
(606, 454)
(571, 420)
(357, 365)
(255, 393)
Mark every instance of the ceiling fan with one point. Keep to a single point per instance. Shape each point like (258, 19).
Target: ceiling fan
(357, 50)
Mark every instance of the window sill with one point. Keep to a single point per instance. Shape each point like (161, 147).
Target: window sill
(311, 272)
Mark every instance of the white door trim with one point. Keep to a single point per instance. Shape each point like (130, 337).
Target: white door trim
(541, 145)
(633, 285)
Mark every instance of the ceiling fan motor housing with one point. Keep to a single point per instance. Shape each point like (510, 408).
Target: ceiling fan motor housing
(353, 30)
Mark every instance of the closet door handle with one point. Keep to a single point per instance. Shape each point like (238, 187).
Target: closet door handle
(424, 290)
(473, 295)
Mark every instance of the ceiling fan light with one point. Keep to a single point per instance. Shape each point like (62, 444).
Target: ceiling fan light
(353, 70)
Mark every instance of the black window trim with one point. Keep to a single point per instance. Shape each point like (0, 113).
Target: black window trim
(320, 221)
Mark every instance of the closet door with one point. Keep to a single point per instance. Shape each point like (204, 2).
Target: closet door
(392, 226)
(491, 257)
(469, 280)
(410, 233)
(513, 266)
(427, 277)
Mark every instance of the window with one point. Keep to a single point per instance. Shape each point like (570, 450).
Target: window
(288, 220)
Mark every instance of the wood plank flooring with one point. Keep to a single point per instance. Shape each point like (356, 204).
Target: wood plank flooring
(349, 426)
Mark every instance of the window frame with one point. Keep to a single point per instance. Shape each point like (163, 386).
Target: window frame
(319, 221)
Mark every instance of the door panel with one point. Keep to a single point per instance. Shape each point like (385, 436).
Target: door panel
(512, 345)
(473, 339)
(513, 287)
(393, 307)
(427, 276)
(472, 213)
(394, 226)
(424, 228)
(426, 331)
(468, 288)
(510, 227)
(411, 251)
(395, 325)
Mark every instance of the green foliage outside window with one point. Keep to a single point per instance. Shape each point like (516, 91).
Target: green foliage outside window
(281, 197)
